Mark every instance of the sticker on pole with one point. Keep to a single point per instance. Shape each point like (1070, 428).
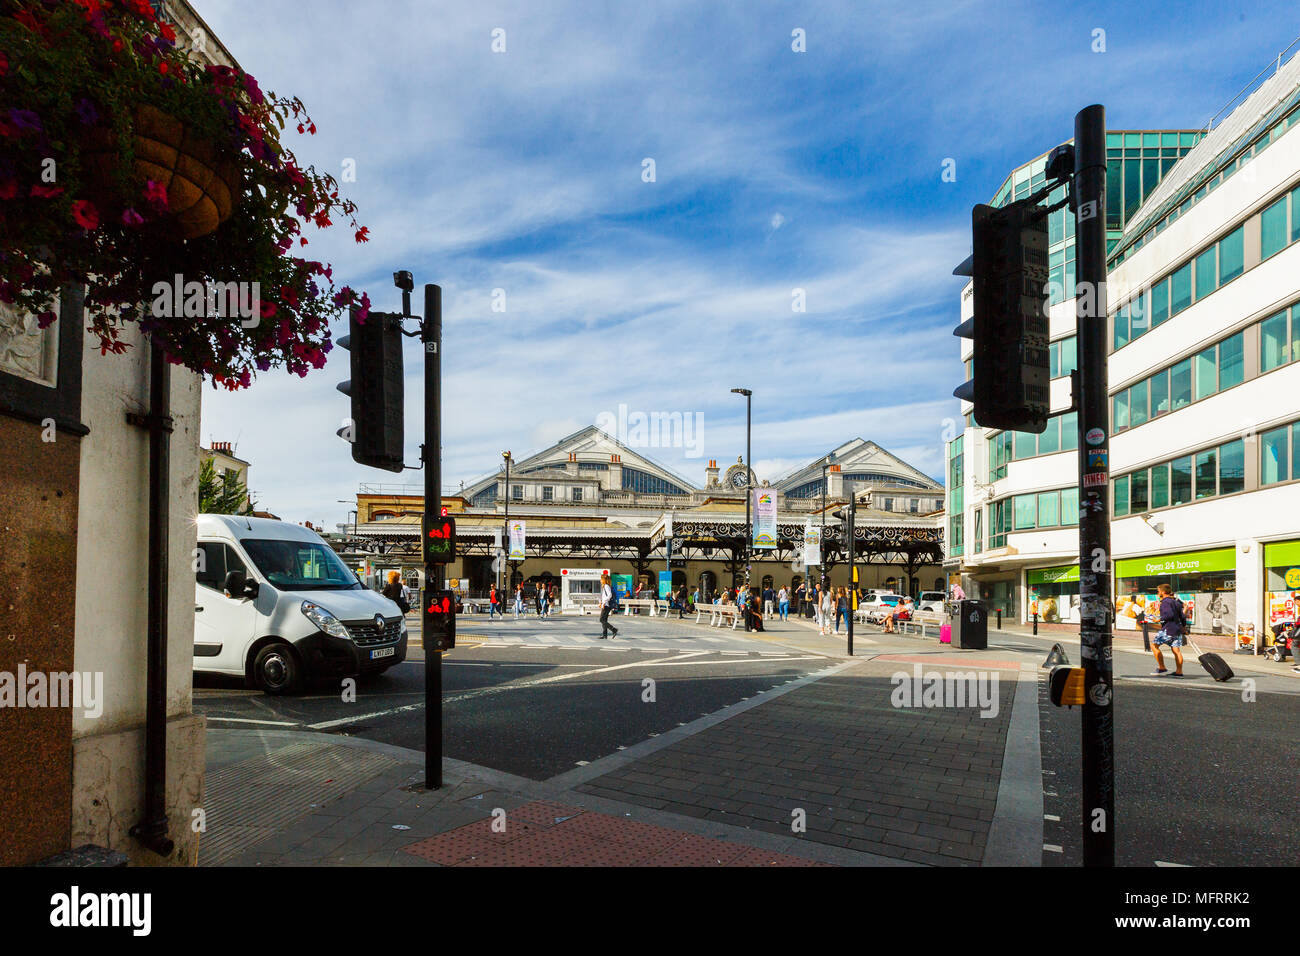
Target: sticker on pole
(1095, 436)
(1097, 478)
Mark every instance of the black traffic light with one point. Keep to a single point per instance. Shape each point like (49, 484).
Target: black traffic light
(440, 540)
(376, 389)
(438, 622)
(1009, 270)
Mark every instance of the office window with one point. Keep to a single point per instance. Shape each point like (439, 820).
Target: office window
(1050, 440)
(1138, 497)
(1207, 373)
(1160, 486)
(1232, 467)
(1121, 328)
(1119, 412)
(1295, 214)
(1160, 394)
(1137, 404)
(1025, 512)
(1180, 480)
(517, 492)
(1272, 229)
(1180, 384)
(1121, 496)
(1069, 431)
(1048, 504)
(1232, 255)
(979, 530)
(1231, 361)
(1207, 271)
(1137, 311)
(1274, 350)
(1180, 285)
(1159, 302)
(1070, 506)
(1275, 456)
(548, 493)
(1207, 474)
(1026, 444)
(577, 494)
(1069, 355)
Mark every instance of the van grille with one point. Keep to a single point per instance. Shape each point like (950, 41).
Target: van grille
(365, 634)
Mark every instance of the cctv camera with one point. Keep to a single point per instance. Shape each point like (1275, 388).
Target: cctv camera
(404, 280)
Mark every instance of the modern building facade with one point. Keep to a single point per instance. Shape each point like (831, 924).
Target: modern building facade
(592, 502)
(1204, 384)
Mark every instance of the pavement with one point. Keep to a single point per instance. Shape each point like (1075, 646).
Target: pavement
(825, 759)
(821, 768)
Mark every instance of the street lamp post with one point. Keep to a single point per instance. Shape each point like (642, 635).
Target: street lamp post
(505, 538)
(749, 489)
(830, 460)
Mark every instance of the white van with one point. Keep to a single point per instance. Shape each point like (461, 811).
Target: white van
(274, 604)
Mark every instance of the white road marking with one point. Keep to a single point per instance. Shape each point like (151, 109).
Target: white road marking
(246, 720)
(1051, 816)
(343, 721)
(1052, 848)
(1163, 863)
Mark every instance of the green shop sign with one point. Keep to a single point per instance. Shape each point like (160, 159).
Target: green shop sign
(1282, 554)
(1192, 562)
(1068, 572)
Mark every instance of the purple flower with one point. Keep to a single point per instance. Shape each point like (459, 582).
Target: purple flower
(132, 218)
(86, 112)
(25, 119)
(263, 363)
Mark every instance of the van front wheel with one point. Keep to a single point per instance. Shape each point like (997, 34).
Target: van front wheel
(275, 669)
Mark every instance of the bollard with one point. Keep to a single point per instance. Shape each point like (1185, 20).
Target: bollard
(999, 619)
(1035, 624)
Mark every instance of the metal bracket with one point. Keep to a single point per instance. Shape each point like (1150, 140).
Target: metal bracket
(1074, 388)
(166, 422)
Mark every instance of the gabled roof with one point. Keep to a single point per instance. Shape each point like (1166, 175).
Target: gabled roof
(857, 455)
(590, 444)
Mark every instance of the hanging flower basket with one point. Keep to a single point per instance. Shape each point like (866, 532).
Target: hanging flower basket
(200, 184)
(126, 162)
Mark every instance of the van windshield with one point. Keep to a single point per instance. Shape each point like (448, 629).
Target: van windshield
(299, 565)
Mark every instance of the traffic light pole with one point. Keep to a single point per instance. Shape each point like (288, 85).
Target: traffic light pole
(1098, 744)
(431, 455)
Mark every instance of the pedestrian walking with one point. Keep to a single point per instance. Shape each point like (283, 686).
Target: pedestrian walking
(1173, 631)
(769, 600)
(828, 610)
(494, 603)
(681, 602)
(842, 609)
(783, 602)
(543, 601)
(608, 601)
(393, 591)
(519, 600)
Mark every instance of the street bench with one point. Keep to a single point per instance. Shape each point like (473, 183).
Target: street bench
(639, 603)
(719, 614)
(920, 621)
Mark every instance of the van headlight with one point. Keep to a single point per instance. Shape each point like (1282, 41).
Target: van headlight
(324, 620)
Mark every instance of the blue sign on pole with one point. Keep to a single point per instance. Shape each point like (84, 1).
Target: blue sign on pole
(665, 583)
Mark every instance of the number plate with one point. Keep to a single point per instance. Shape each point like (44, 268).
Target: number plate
(383, 652)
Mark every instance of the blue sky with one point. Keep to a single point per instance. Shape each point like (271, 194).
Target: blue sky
(774, 171)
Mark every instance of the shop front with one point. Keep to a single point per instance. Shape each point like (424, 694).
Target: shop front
(1055, 594)
(1205, 581)
(1281, 585)
(999, 594)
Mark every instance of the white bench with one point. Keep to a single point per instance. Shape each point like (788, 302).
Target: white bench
(719, 614)
(631, 603)
(920, 621)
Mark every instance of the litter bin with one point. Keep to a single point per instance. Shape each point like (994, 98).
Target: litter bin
(970, 625)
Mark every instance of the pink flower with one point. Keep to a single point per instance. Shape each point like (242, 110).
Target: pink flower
(132, 218)
(155, 194)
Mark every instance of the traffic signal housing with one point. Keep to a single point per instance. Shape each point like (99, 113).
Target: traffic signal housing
(1009, 271)
(376, 389)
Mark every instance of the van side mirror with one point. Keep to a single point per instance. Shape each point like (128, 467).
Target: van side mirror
(237, 585)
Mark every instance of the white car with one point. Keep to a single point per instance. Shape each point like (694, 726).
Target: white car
(274, 604)
(876, 607)
(932, 601)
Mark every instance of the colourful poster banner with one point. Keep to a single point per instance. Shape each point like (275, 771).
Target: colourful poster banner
(764, 518)
(517, 540)
(812, 545)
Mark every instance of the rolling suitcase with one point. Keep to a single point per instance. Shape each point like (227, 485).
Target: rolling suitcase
(1214, 665)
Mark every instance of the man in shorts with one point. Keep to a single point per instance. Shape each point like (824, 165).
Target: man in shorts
(1172, 629)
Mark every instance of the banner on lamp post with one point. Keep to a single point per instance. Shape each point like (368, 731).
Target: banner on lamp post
(812, 545)
(517, 540)
(764, 519)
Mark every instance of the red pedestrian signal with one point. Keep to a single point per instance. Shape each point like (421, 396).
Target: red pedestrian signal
(439, 620)
(440, 540)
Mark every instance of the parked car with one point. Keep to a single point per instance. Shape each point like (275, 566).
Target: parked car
(275, 605)
(878, 605)
(932, 601)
